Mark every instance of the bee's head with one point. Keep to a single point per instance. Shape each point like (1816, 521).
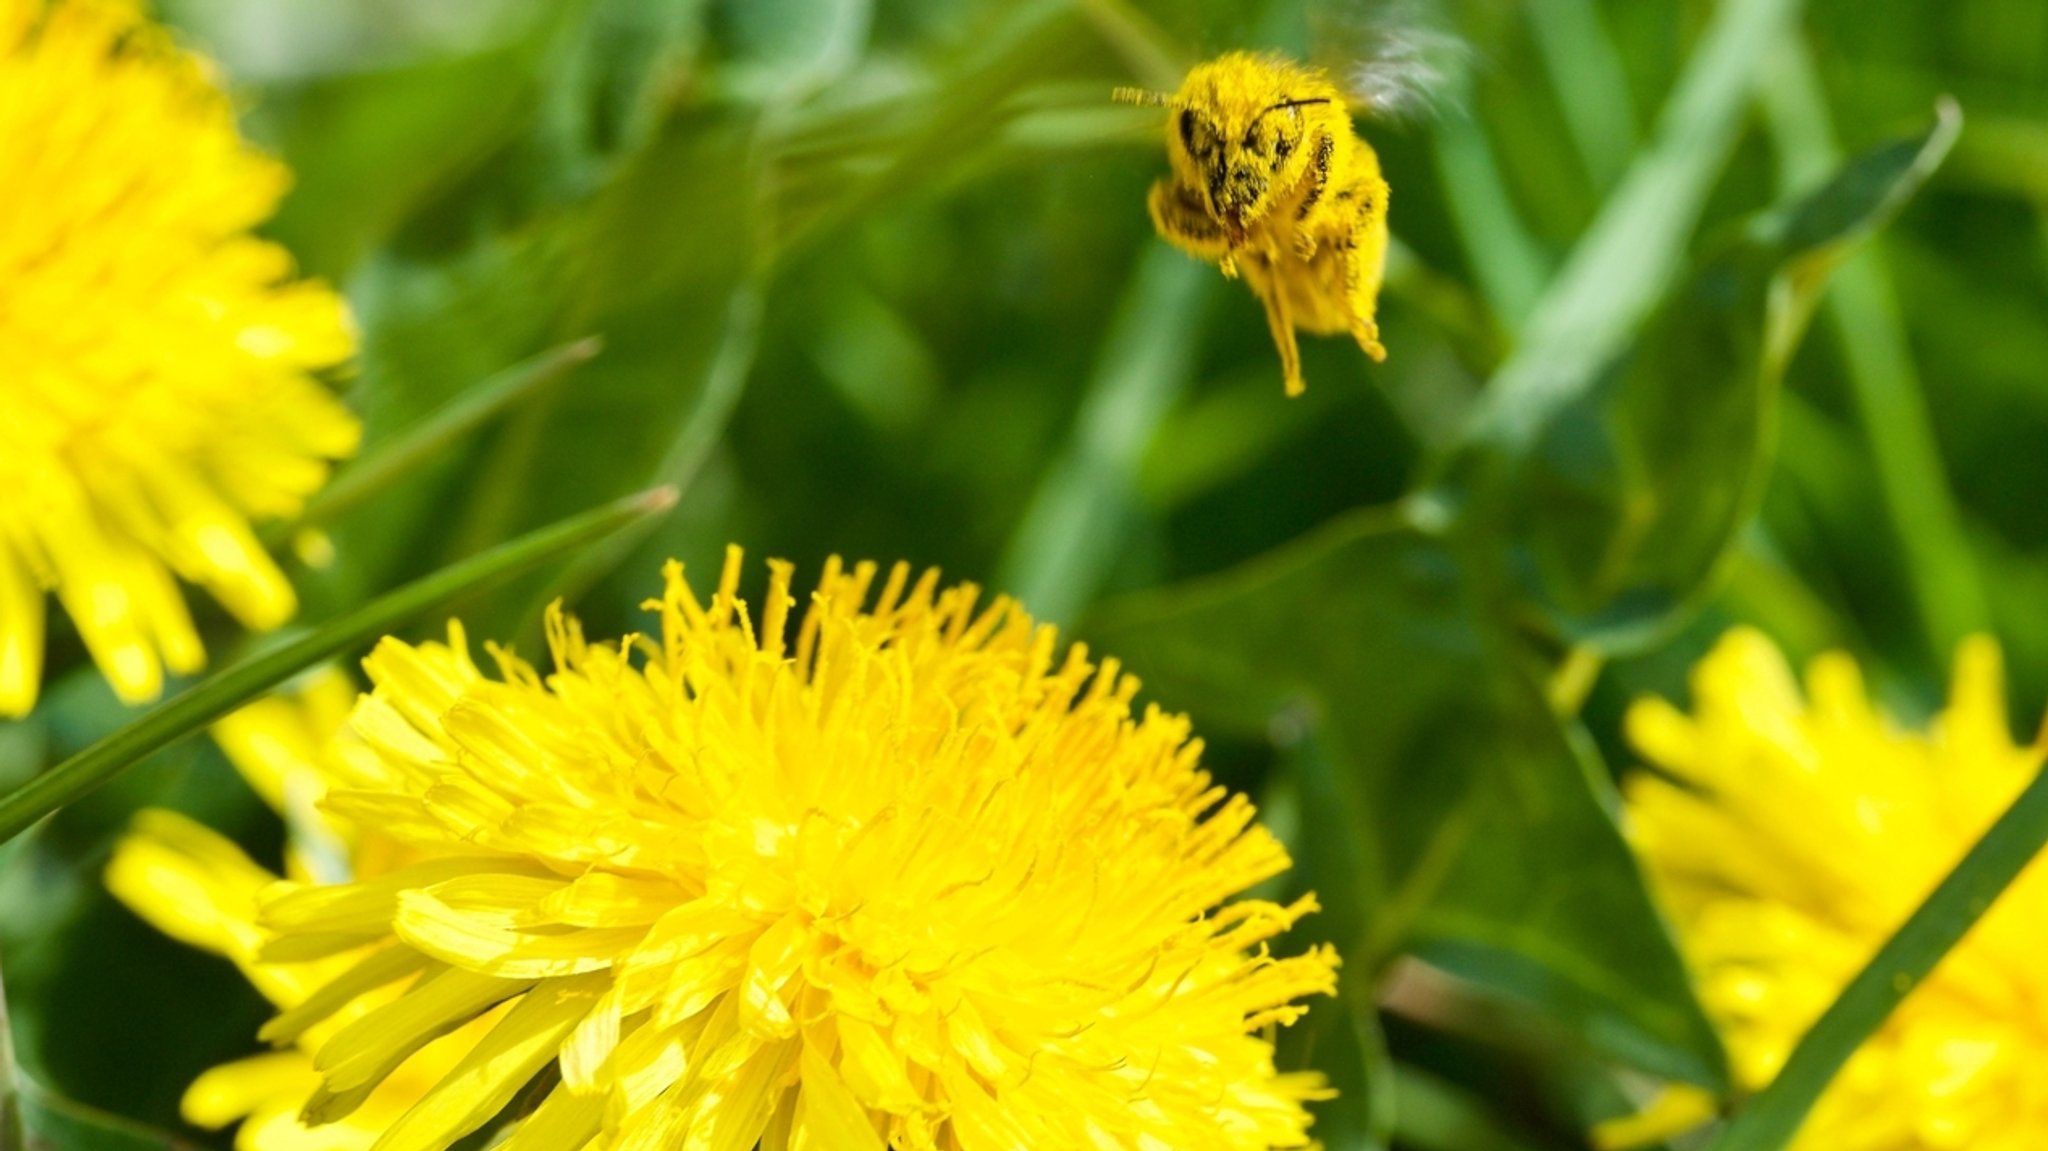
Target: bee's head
(1240, 169)
(1241, 129)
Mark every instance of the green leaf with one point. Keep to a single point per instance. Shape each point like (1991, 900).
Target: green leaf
(1818, 231)
(1544, 902)
(231, 687)
(1456, 811)
(1620, 515)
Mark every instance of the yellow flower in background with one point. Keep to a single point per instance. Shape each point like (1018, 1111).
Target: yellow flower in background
(1790, 833)
(196, 886)
(154, 357)
(906, 877)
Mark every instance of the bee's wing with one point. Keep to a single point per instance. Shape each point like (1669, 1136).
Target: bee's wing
(1396, 59)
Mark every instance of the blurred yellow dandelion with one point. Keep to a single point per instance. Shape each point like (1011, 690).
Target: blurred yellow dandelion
(197, 886)
(1790, 833)
(906, 877)
(153, 355)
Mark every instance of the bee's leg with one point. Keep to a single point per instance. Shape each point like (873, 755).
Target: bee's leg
(1181, 217)
(1318, 183)
(1362, 303)
(1364, 250)
(1273, 294)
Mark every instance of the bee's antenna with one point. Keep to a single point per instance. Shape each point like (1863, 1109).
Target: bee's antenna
(1144, 98)
(1291, 104)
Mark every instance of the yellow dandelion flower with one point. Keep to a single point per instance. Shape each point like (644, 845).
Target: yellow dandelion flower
(907, 878)
(198, 887)
(153, 355)
(1790, 833)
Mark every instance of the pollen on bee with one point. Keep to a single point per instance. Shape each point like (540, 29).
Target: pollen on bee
(1271, 181)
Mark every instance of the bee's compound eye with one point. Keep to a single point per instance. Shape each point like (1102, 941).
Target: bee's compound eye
(1187, 127)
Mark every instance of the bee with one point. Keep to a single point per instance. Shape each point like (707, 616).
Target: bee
(1272, 181)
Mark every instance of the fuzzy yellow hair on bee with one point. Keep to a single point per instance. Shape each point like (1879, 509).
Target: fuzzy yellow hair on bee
(1270, 178)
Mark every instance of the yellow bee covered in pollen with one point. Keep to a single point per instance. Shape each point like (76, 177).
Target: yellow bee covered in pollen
(1270, 178)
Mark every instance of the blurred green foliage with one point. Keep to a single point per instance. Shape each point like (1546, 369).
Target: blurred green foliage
(875, 278)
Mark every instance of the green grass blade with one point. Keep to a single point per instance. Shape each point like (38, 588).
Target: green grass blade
(1078, 518)
(1773, 1116)
(1622, 267)
(1863, 308)
(231, 687)
(1509, 264)
(1592, 86)
(372, 473)
(1511, 267)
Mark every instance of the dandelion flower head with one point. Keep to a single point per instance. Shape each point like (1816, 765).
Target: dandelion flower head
(197, 886)
(1791, 832)
(896, 873)
(154, 356)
